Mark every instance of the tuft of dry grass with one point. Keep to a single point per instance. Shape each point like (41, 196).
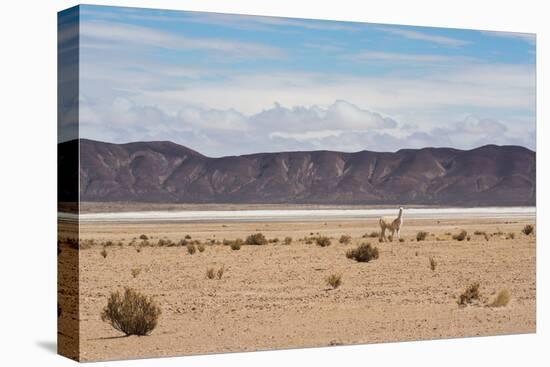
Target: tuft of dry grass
(460, 236)
(433, 263)
(191, 249)
(479, 233)
(210, 273)
(401, 240)
(322, 241)
(131, 312)
(257, 239)
(363, 253)
(486, 236)
(373, 234)
(201, 247)
(345, 239)
(135, 272)
(104, 252)
(421, 236)
(219, 273)
(334, 280)
(511, 236)
(502, 299)
(287, 241)
(143, 237)
(469, 294)
(528, 229)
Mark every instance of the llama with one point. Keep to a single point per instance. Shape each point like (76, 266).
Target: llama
(392, 224)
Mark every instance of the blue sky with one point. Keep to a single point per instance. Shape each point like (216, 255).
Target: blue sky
(228, 84)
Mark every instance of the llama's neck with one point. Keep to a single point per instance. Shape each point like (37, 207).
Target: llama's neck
(400, 214)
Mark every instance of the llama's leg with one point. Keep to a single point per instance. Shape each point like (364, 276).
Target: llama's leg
(383, 233)
(392, 232)
(398, 234)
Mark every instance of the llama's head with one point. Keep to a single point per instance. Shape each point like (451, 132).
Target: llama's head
(400, 210)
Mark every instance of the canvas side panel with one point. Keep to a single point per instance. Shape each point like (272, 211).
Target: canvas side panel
(67, 183)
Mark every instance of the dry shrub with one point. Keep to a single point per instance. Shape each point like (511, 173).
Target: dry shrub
(131, 313)
(469, 294)
(287, 241)
(104, 253)
(363, 253)
(334, 280)
(401, 240)
(479, 233)
(219, 273)
(187, 237)
(257, 239)
(322, 241)
(486, 237)
(135, 272)
(433, 263)
(236, 244)
(210, 273)
(460, 236)
(421, 236)
(373, 234)
(191, 249)
(345, 239)
(143, 237)
(502, 299)
(201, 247)
(511, 236)
(528, 229)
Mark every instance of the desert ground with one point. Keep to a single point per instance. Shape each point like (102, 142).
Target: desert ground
(276, 296)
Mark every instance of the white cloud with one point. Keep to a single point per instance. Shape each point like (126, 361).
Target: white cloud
(423, 36)
(143, 36)
(530, 38)
(399, 57)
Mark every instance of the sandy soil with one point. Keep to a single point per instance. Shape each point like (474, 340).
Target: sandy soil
(275, 296)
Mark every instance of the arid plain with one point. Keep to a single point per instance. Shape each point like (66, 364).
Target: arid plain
(276, 295)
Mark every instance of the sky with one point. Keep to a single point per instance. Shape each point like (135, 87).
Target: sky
(230, 85)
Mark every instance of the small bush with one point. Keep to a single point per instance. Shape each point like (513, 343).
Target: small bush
(143, 237)
(322, 241)
(257, 239)
(187, 237)
(131, 313)
(104, 253)
(210, 273)
(471, 293)
(219, 273)
(191, 249)
(345, 239)
(479, 233)
(373, 234)
(460, 236)
(363, 253)
(135, 272)
(236, 245)
(287, 241)
(433, 263)
(401, 240)
(421, 236)
(486, 236)
(201, 247)
(511, 236)
(334, 280)
(502, 299)
(528, 229)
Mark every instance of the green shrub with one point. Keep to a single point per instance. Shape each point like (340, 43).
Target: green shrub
(131, 313)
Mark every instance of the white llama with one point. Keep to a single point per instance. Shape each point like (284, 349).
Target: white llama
(392, 224)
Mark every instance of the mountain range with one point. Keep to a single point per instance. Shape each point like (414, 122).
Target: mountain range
(163, 171)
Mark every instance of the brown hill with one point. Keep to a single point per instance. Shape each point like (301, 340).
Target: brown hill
(167, 172)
